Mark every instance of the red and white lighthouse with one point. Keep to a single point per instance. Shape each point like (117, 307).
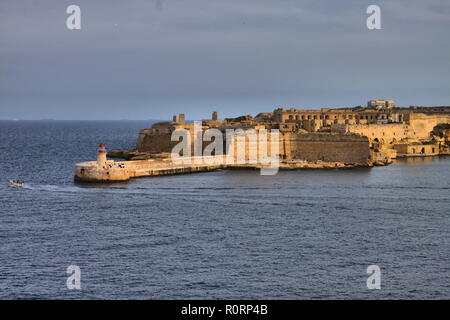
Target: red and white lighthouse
(101, 155)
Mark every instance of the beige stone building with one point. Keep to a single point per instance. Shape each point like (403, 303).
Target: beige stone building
(381, 104)
(416, 149)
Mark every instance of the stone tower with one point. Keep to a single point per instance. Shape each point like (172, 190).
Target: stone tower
(179, 118)
(215, 116)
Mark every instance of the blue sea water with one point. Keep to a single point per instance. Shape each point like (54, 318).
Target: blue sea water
(225, 234)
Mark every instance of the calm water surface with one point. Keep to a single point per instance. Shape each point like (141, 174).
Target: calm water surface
(225, 234)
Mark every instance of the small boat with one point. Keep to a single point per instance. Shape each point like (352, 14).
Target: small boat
(16, 183)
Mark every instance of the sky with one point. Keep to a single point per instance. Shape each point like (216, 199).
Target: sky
(150, 59)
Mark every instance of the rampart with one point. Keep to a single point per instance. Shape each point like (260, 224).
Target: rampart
(347, 148)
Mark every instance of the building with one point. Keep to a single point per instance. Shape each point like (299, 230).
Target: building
(380, 104)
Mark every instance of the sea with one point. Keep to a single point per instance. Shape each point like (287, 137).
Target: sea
(229, 234)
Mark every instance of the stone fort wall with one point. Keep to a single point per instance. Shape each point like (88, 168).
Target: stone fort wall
(349, 148)
(148, 142)
(418, 127)
(383, 133)
(337, 147)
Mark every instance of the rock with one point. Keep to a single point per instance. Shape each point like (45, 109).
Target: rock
(128, 154)
(116, 154)
(148, 155)
(139, 156)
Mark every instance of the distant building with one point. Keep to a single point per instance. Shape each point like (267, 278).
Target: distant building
(179, 118)
(380, 104)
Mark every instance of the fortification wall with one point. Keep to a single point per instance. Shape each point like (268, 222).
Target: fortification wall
(349, 148)
(422, 124)
(384, 133)
(154, 142)
(418, 127)
(159, 143)
(336, 147)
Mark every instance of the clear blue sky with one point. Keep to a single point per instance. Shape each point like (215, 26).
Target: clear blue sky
(149, 59)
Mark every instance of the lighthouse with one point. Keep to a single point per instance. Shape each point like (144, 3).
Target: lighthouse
(101, 155)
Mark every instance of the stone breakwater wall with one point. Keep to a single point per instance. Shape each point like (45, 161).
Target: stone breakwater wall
(114, 171)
